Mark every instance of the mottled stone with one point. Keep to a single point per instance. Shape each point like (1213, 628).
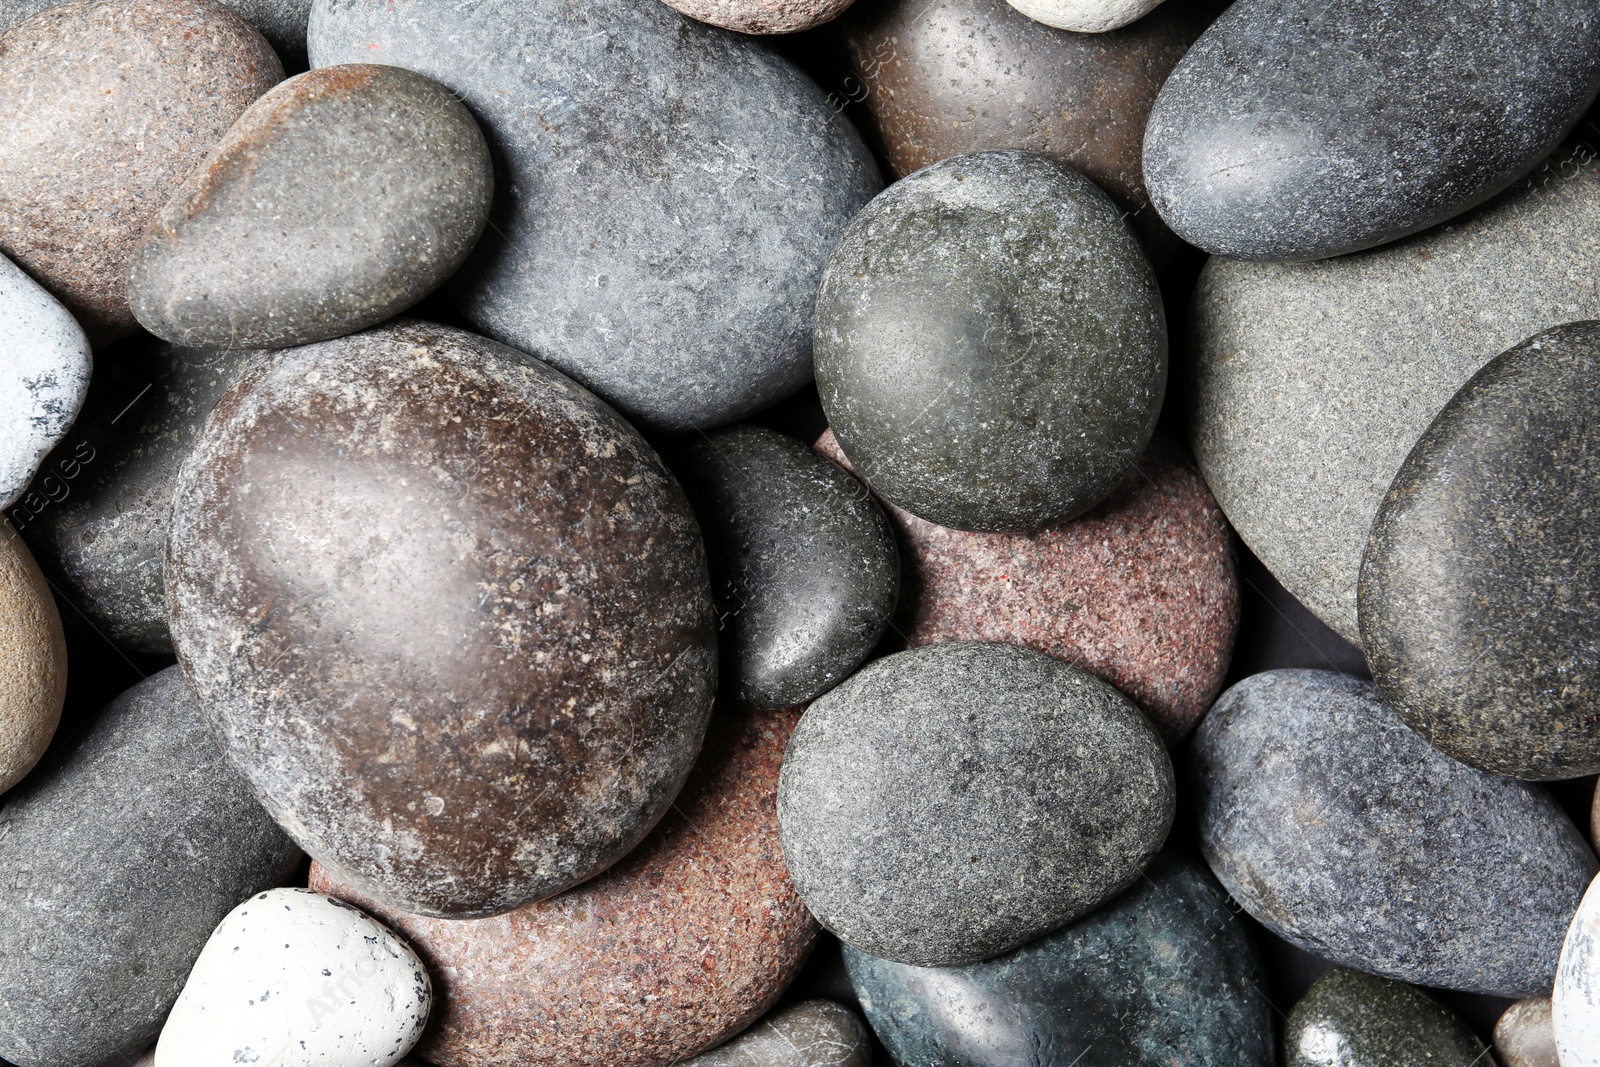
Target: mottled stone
(991, 349)
(922, 801)
(1312, 382)
(466, 654)
(1142, 591)
(1350, 1019)
(107, 107)
(33, 661)
(357, 995)
(281, 22)
(1349, 836)
(1575, 1004)
(763, 16)
(804, 571)
(1481, 579)
(1295, 130)
(1164, 974)
(42, 381)
(1525, 1036)
(679, 947)
(672, 266)
(118, 857)
(1085, 16)
(339, 199)
(816, 1033)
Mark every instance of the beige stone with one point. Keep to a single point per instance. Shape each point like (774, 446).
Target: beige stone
(33, 661)
(1525, 1036)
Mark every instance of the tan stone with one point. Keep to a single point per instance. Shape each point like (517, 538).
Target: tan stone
(1525, 1036)
(33, 661)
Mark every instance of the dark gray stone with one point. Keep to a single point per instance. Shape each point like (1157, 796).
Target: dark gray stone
(118, 856)
(804, 569)
(667, 192)
(1163, 975)
(1481, 580)
(1350, 1019)
(282, 22)
(991, 348)
(815, 1033)
(1298, 129)
(949, 803)
(1351, 837)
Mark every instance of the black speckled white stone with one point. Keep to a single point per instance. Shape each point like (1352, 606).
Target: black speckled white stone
(1351, 837)
(804, 569)
(1298, 129)
(1163, 975)
(814, 1033)
(671, 262)
(947, 804)
(991, 349)
(1481, 583)
(1350, 1019)
(118, 856)
(43, 377)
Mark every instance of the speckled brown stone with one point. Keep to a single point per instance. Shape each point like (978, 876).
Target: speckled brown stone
(105, 108)
(33, 661)
(1525, 1035)
(674, 950)
(1142, 591)
(762, 16)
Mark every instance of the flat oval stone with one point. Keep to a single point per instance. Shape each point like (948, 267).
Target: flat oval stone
(673, 267)
(1312, 382)
(281, 22)
(1164, 974)
(1293, 130)
(118, 857)
(804, 570)
(815, 1033)
(1416, 867)
(991, 348)
(109, 106)
(1350, 1019)
(43, 380)
(33, 661)
(921, 801)
(1482, 573)
(339, 199)
(1575, 1004)
(679, 947)
(1142, 590)
(1525, 1036)
(1085, 16)
(763, 16)
(466, 654)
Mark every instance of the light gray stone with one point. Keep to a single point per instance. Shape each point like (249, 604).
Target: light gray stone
(282, 22)
(1575, 1003)
(44, 377)
(815, 1033)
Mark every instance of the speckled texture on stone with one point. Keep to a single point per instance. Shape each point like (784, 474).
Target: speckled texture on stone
(804, 570)
(1085, 16)
(106, 108)
(991, 348)
(339, 199)
(1142, 591)
(281, 22)
(1351, 837)
(1482, 573)
(43, 378)
(815, 1033)
(1163, 975)
(763, 16)
(33, 661)
(671, 266)
(466, 652)
(118, 857)
(1525, 1035)
(1313, 382)
(357, 995)
(947, 804)
(1575, 1003)
(1295, 130)
(679, 947)
(1350, 1019)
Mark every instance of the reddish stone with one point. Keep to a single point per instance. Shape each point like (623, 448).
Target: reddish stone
(680, 946)
(1141, 591)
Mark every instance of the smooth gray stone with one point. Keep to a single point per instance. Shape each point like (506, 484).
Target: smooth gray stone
(814, 1033)
(1350, 1019)
(1298, 129)
(1165, 974)
(668, 191)
(949, 803)
(1349, 836)
(282, 22)
(119, 855)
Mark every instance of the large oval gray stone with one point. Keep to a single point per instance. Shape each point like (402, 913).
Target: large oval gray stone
(282, 22)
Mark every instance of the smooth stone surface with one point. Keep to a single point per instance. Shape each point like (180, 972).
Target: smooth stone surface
(1482, 573)
(142, 800)
(43, 380)
(673, 267)
(108, 106)
(816, 1033)
(467, 654)
(33, 661)
(1294, 131)
(1349, 836)
(1525, 1036)
(1085, 16)
(804, 570)
(1575, 1004)
(763, 16)
(925, 802)
(991, 348)
(339, 199)
(1350, 1019)
(687, 941)
(356, 994)
(1164, 974)
(1312, 382)
(1142, 591)
(281, 22)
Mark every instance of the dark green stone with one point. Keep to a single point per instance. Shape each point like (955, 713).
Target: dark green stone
(1350, 1019)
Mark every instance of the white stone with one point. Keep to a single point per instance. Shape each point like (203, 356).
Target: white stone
(1085, 16)
(1576, 1002)
(44, 374)
(292, 978)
